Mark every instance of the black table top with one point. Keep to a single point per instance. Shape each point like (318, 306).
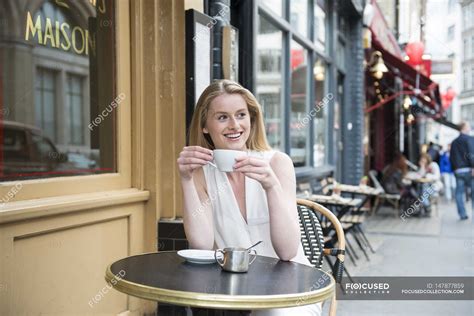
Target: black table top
(269, 283)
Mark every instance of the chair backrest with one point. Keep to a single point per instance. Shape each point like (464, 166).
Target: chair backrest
(304, 189)
(325, 184)
(375, 180)
(312, 237)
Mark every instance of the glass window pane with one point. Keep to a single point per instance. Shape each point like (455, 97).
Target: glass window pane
(270, 80)
(320, 26)
(65, 112)
(76, 120)
(299, 16)
(319, 112)
(275, 5)
(299, 124)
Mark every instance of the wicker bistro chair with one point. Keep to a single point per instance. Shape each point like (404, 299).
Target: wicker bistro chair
(313, 240)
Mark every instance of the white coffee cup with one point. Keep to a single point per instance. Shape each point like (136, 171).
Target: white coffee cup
(225, 158)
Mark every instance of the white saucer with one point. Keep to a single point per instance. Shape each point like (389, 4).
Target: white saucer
(198, 256)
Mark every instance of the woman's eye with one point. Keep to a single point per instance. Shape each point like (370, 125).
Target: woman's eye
(222, 117)
(241, 115)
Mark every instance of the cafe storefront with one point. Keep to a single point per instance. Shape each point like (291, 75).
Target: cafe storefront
(91, 95)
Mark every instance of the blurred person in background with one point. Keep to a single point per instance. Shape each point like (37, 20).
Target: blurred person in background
(434, 152)
(462, 161)
(393, 175)
(447, 173)
(430, 170)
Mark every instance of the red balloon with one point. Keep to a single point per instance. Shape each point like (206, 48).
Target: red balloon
(415, 51)
(447, 98)
(450, 94)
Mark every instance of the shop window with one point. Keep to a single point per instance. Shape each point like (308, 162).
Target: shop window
(320, 25)
(319, 112)
(465, 17)
(45, 102)
(465, 79)
(465, 49)
(299, 16)
(270, 61)
(269, 79)
(471, 55)
(292, 134)
(450, 34)
(274, 5)
(300, 118)
(58, 98)
(75, 100)
(472, 78)
(451, 5)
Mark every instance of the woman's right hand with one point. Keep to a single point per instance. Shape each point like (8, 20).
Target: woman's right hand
(192, 158)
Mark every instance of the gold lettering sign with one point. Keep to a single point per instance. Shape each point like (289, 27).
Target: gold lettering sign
(101, 6)
(62, 37)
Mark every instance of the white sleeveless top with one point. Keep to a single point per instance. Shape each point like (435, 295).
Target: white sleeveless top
(230, 228)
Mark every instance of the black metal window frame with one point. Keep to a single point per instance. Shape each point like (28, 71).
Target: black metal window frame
(308, 43)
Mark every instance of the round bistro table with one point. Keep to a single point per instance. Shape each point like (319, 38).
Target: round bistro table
(269, 283)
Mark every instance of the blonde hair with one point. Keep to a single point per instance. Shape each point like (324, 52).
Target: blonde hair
(257, 139)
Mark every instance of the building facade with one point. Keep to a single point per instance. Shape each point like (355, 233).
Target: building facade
(466, 98)
(444, 44)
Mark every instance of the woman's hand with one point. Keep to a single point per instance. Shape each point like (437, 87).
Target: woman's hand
(192, 158)
(257, 169)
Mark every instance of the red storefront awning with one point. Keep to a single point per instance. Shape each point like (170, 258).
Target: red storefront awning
(414, 82)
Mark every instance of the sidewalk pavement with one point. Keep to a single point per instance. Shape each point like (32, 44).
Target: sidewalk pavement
(441, 245)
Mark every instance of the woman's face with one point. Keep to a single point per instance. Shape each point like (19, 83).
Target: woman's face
(423, 162)
(228, 122)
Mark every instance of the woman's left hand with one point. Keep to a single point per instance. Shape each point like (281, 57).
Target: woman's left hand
(257, 169)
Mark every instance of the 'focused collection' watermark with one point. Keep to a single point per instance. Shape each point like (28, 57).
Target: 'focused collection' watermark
(220, 188)
(417, 204)
(309, 116)
(101, 117)
(10, 194)
(320, 283)
(406, 288)
(100, 295)
(203, 33)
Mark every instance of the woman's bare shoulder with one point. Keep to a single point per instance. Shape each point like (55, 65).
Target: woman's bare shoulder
(280, 159)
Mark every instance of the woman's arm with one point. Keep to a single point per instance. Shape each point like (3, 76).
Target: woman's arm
(197, 217)
(284, 225)
(278, 180)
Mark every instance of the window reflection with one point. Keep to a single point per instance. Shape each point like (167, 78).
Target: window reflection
(275, 5)
(299, 123)
(57, 76)
(319, 112)
(298, 16)
(45, 102)
(320, 24)
(270, 80)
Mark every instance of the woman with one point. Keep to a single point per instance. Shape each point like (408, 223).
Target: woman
(430, 170)
(393, 175)
(255, 202)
